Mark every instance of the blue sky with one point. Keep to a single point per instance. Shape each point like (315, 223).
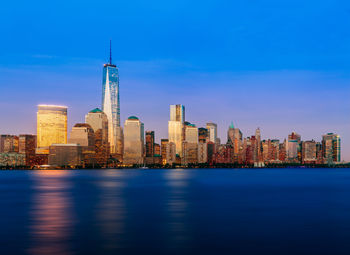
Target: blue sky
(282, 66)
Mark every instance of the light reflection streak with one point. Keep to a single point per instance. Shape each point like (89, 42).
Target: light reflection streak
(177, 206)
(51, 218)
(111, 210)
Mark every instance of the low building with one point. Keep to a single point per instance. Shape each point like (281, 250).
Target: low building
(65, 155)
(12, 159)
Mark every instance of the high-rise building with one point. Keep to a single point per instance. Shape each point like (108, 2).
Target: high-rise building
(331, 148)
(202, 152)
(149, 144)
(149, 147)
(9, 144)
(170, 153)
(176, 126)
(213, 132)
(190, 145)
(309, 152)
(203, 135)
(133, 141)
(26, 146)
(293, 146)
(98, 121)
(82, 134)
(51, 126)
(111, 106)
(163, 144)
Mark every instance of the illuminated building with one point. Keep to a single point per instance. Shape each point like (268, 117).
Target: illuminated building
(331, 148)
(65, 155)
(149, 147)
(98, 121)
(133, 141)
(171, 157)
(12, 159)
(213, 132)
(163, 145)
(190, 145)
(8, 143)
(111, 106)
(82, 134)
(26, 146)
(309, 151)
(176, 126)
(202, 152)
(293, 146)
(51, 126)
(203, 135)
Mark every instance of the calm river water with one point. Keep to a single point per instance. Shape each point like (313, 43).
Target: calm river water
(220, 211)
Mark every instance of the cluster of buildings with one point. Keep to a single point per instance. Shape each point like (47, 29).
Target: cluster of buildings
(101, 141)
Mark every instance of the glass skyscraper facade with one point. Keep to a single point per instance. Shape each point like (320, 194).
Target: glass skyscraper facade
(176, 126)
(111, 104)
(51, 125)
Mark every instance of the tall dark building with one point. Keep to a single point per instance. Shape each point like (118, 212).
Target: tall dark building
(27, 145)
(149, 143)
(203, 135)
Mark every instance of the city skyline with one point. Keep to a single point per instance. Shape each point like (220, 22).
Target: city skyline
(236, 69)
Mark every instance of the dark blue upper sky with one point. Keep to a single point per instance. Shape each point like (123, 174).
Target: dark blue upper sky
(280, 65)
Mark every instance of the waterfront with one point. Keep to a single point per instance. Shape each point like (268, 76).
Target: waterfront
(201, 211)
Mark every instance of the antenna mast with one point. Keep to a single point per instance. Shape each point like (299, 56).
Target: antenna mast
(110, 52)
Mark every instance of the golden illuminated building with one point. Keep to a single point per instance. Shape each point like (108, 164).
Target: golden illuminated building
(51, 126)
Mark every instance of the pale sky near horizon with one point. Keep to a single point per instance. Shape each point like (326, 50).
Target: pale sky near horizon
(282, 66)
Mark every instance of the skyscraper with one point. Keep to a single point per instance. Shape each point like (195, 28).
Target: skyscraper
(97, 119)
(176, 126)
(331, 147)
(213, 133)
(133, 141)
(293, 146)
(51, 126)
(111, 105)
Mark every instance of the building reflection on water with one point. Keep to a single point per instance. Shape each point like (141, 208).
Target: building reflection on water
(51, 218)
(110, 209)
(178, 208)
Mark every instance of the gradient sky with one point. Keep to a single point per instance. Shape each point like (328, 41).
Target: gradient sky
(282, 66)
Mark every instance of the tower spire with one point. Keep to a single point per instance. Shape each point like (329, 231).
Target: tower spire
(110, 52)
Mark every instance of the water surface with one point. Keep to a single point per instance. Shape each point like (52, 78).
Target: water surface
(219, 211)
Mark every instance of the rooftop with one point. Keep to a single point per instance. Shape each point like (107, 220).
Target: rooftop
(133, 118)
(96, 110)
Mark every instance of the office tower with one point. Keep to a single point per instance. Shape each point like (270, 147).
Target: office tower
(98, 121)
(163, 145)
(51, 126)
(171, 153)
(203, 135)
(283, 151)
(111, 105)
(331, 148)
(211, 153)
(257, 146)
(309, 152)
(149, 147)
(150, 143)
(157, 149)
(176, 126)
(202, 152)
(82, 134)
(265, 149)
(274, 150)
(213, 133)
(65, 155)
(133, 141)
(26, 146)
(190, 145)
(9, 144)
(231, 135)
(293, 146)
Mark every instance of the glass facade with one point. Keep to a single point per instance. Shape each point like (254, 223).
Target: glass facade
(111, 103)
(133, 141)
(51, 125)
